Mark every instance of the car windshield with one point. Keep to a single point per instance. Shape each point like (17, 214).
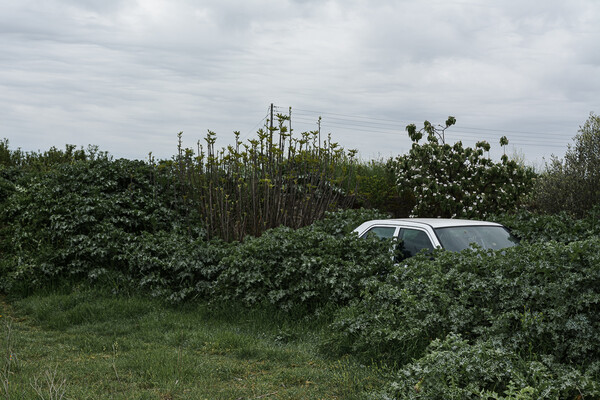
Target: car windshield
(457, 238)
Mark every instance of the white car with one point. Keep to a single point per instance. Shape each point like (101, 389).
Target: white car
(416, 234)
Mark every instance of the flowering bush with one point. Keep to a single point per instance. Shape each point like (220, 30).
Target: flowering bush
(456, 181)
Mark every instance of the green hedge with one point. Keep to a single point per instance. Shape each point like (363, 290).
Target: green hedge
(561, 227)
(118, 224)
(454, 368)
(80, 220)
(303, 269)
(522, 323)
(537, 300)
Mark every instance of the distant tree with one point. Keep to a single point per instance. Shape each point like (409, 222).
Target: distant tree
(573, 184)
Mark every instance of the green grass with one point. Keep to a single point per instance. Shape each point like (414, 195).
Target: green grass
(96, 346)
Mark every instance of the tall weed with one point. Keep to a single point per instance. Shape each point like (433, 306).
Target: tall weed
(273, 180)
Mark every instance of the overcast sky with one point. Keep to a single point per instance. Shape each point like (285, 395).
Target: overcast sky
(128, 75)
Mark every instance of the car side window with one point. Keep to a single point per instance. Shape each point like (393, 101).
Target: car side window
(413, 240)
(382, 232)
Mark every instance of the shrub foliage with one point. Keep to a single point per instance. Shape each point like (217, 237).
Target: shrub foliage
(561, 227)
(454, 368)
(304, 268)
(536, 300)
(92, 220)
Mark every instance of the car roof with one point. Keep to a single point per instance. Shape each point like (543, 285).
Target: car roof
(432, 222)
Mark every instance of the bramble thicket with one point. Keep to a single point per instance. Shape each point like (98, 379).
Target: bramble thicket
(267, 223)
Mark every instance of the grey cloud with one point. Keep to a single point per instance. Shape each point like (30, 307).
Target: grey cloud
(105, 7)
(128, 75)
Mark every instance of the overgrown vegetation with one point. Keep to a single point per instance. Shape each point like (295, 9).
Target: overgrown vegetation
(265, 226)
(376, 188)
(304, 269)
(563, 227)
(514, 303)
(270, 181)
(573, 184)
(107, 222)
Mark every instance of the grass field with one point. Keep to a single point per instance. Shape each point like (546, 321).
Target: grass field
(87, 345)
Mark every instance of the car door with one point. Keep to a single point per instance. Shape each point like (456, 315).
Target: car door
(412, 240)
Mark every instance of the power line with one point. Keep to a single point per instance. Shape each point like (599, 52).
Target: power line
(449, 134)
(367, 123)
(511, 131)
(256, 126)
(364, 120)
(491, 135)
(349, 116)
(382, 126)
(364, 125)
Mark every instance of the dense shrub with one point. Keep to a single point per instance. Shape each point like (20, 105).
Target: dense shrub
(129, 225)
(17, 167)
(116, 223)
(375, 187)
(172, 265)
(453, 368)
(519, 324)
(83, 219)
(38, 161)
(561, 227)
(454, 181)
(539, 299)
(301, 269)
(7, 185)
(573, 184)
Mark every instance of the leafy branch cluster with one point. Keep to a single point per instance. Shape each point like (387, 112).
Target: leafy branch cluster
(86, 219)
(275, 179)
